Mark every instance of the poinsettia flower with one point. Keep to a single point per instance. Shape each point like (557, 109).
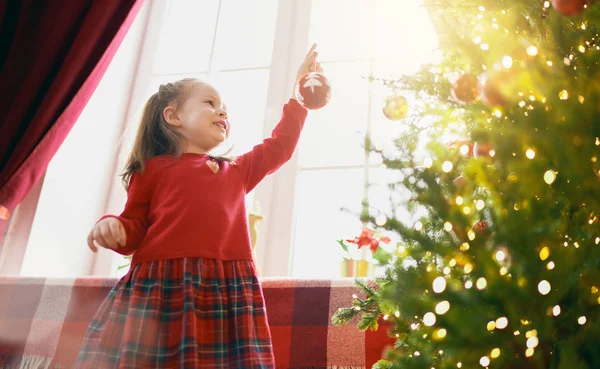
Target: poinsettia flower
(369, 239)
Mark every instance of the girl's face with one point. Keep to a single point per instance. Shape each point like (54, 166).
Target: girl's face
(201, 119)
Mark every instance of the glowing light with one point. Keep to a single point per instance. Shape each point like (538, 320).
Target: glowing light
(418, 226)
(500, 256)
(581, 320)
(532, 342)
(532, 51)
(439, 285)
(556, 310)
(563, 95)
(530, 154)
(429, 319)
(427, 163)
(442, 307)
(480, 204)
(550, 265)
(544, 287)
(544, 253)
(501, 323)
(507, 62)
(447, 166)
(484, 361)
(447, 226)
(481, 283)
(549, 177)
(495, 353)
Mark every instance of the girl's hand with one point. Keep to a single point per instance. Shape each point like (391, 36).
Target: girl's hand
(108, 233)
(309, 64)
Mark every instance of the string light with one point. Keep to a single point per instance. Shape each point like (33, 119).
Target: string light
(440, 333)
(556, 310)
(495, 353)
(544, 253)
(429, 319)
(500, 256)
(484, 361)
(550, 265)
(464, 150)
(544, 287)
(581, 320)
(549, 177)
(464, 247)
(427, 163)
(468, 268)
(447, 166)
(502, 322)
(459, 200)
(507, 62)
(480, 205)
(447, 226)
(481, 283)
(532, 50)
(563, 95)
(532, 342)
(442, 307)
(530, 154)
(439, 285)
(468, 284)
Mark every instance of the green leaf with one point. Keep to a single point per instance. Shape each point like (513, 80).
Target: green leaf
(344, 246)
(382, 256)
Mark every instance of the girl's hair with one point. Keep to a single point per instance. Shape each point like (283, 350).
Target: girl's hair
(154, 136)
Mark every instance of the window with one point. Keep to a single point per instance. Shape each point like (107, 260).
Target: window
(384, 38)
(250, 50)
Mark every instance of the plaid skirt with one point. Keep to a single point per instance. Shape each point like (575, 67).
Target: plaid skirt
(181, 313)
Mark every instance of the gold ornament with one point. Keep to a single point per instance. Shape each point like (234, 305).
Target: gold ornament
(396, 107)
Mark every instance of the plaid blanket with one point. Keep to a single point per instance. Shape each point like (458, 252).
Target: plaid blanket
(43, 321)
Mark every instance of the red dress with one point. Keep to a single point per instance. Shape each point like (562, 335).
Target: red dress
(192, 298)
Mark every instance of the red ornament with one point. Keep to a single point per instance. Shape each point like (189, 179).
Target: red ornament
(459, 181)
(465, 89)
(490, 92)
(483, 150)
(569, 7)
(482, 229)
(313, 91)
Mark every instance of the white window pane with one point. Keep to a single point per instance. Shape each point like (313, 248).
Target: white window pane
(342, 28)
(245, 34)
(403, 29)
(186, 36)
(334, 134)
(320, 194)
(245, 94)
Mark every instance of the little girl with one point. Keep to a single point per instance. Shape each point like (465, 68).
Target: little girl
(192, 298)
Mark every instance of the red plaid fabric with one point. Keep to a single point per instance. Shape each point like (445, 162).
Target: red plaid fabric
(182, 313)
(43, 322)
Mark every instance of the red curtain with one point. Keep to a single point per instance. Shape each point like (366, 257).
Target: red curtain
(53, 54)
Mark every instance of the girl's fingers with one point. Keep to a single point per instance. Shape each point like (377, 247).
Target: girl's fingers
(309, 54)
(90, 242)
(117, 232)
(97, 238)
(109, 236)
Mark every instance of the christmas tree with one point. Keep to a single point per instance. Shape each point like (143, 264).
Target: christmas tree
(500, 266)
